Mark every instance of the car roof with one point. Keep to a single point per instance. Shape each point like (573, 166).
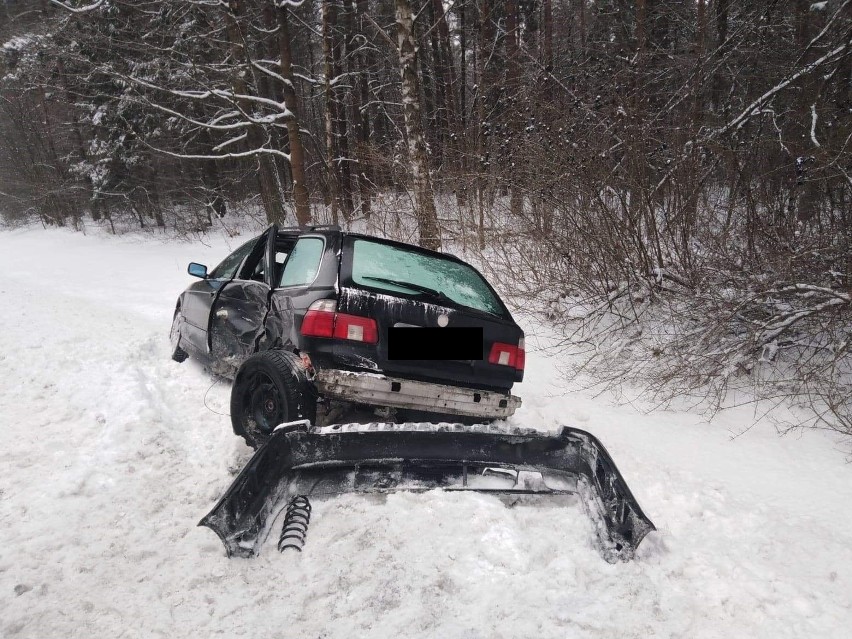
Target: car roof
(333, 229)
(406, 245)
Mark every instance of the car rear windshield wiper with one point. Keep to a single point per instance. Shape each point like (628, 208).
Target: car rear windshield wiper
(418, 288)
(432, 293)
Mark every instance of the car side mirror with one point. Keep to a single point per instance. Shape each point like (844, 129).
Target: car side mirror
(197, 270)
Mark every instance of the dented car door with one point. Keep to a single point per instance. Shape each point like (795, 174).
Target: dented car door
(197, 300)
(239, 310)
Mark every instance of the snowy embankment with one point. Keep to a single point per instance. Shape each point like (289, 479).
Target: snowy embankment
(109, 457)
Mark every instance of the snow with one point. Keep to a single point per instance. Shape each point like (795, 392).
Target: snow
(19, 43)
(109, 456)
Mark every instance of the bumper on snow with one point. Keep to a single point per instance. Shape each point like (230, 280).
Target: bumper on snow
(384, 458)
(380, 390)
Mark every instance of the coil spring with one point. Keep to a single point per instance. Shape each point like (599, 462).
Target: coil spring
(296, 521)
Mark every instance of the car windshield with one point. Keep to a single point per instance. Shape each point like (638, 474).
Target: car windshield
(398, 270)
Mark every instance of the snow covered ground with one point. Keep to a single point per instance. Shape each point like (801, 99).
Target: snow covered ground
(110, 453)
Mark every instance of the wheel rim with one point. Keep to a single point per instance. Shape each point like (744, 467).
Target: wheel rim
(264, 406)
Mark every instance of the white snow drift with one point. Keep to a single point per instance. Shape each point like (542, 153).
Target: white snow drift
(110, 453)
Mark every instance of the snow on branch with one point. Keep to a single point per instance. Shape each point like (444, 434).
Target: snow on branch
(216, 123)
(307, 79)
(84, 9)
(784, 320)
(239, 138)
(771, 330)
(238, 102)
(269, 72)
(829, 23)
(811, 288)
(755, 106)
(224, 156)
(813, 125)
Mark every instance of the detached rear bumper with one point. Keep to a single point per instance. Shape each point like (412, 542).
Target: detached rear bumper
(384, 458)
(380, 390)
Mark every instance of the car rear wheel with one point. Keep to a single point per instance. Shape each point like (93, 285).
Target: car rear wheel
(178, 354)
(270, 388)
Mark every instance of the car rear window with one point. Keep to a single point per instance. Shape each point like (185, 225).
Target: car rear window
(375, 261)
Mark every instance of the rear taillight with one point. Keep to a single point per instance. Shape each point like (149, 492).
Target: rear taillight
(508, 355)
(354, 327)
(323, 320)
(319, 320)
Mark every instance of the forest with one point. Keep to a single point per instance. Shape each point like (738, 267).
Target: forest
(669, 182)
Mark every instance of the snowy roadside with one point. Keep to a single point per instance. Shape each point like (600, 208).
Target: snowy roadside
(108, 458)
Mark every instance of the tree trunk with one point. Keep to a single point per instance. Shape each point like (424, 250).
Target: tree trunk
(547, 35)
(463, 72)
(424, 198)
(485, 43)
(722, 7)
(361, 113)
(462, 142)
(692, 185)
(582, 24)
(301, 197)
(430, 89)
(516, 199)
(701, 34)
(155, 201)
(337, 135)
(341, 128)
(329, 23)
(267, 47)
(446, 71)
(267, 175)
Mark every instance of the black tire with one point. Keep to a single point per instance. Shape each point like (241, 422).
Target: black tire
(270, 388)
(178, 354)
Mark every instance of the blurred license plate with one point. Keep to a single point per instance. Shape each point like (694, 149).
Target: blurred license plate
(454, 343)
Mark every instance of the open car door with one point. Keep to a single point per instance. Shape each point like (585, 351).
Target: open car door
(240, 307)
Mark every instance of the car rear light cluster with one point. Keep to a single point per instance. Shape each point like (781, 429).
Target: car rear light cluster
(323, 320)
(508, 355)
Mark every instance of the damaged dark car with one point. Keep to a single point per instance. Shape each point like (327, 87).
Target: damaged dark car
(313, 322)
